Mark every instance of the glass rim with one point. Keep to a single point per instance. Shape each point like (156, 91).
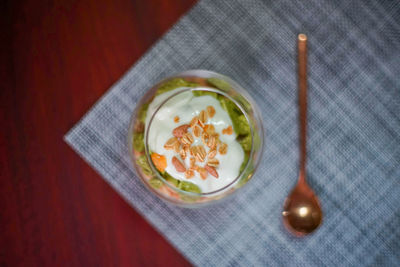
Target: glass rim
(186, 89)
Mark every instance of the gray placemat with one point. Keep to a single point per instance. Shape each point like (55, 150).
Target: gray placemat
(354, 130)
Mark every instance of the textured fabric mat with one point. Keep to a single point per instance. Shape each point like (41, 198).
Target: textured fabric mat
(353, 141)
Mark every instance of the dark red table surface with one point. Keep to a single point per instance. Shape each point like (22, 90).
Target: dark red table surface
(57, 59)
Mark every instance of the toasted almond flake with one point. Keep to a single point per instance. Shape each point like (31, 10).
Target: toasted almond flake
(176, 119)
(202, 152)
(212, 153)
(211, 141)
(179, 167)
(182, 153)
(210, 111)
(193, 122)
(189, 174)
(228, 130)
(187, 139)
(177, 147)
(203, 116)
(211, 170)
(170, 144)
(223, 148)
(203, 173)
(213, 162)
(180, 130)
(209, 129)
(197, 131)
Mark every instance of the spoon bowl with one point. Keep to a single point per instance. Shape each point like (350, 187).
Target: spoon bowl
(302, 212)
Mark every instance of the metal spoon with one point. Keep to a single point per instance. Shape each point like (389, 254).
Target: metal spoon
(302, 212)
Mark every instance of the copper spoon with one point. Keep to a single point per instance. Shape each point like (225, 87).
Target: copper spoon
(302, 212)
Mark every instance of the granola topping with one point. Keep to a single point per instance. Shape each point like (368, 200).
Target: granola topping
(196, 137)
(183, 140)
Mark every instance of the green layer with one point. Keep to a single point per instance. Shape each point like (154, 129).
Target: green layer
(138, 142)
(183, 185)
(142, 162)
(173, 84)
(220, 84)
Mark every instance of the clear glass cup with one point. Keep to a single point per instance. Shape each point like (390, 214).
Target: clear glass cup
(173, 190)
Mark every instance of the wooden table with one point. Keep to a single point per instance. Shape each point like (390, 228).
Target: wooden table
(57, 59)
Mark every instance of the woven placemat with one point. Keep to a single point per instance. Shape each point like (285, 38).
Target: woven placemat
(354, 130)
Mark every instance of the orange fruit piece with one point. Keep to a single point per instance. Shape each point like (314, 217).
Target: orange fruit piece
(159, 161)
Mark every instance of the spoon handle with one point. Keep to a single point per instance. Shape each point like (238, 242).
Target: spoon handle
(302, 81)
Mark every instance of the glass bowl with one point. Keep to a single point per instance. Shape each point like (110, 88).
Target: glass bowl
(247, 124)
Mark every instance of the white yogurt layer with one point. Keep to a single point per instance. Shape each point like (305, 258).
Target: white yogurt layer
(186, 106)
